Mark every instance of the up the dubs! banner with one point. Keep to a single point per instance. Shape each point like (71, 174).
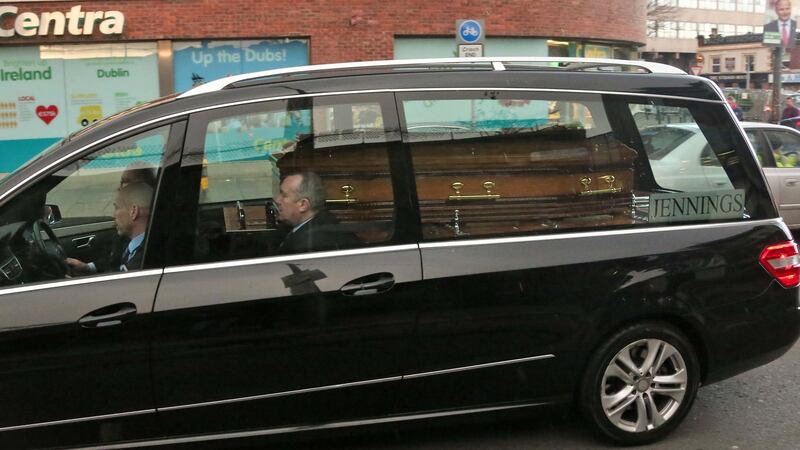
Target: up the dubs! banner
(203, 61)
(49, 92)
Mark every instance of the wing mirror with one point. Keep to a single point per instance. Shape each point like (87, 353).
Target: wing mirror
(51, 214)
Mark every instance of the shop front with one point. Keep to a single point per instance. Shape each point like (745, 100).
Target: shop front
(65, 64)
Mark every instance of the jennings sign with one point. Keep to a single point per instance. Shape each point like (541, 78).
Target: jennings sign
(689, 206)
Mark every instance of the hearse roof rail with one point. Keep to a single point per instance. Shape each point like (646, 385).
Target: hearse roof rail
(442, 64)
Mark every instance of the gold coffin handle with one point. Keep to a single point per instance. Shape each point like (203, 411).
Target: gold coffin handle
(609, 180)
(487, 186)
(346, 190)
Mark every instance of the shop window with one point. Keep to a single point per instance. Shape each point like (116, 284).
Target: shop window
(198, 62)
(428, 47)
(67, 87)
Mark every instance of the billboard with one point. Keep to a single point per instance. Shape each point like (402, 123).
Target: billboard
(201, 61)
(780, 24)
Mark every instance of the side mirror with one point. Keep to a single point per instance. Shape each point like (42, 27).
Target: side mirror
(51, 214)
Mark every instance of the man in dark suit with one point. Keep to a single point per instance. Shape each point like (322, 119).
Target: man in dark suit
(131, 215)
(784, 28)
(136, 172)
(301, 205)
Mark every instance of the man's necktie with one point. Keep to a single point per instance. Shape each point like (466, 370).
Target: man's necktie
(125, 256)
(785, 37)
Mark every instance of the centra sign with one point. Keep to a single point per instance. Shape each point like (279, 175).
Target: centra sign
(74, 22)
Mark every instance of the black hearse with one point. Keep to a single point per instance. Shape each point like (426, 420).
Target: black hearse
(466, 236)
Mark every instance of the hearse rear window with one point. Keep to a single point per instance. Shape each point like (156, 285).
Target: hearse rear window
(520, 163)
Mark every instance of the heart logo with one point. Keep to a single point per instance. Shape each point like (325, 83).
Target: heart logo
(47, 113)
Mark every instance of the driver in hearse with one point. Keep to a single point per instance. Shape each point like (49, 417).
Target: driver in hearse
(138, 171)
(131, 215)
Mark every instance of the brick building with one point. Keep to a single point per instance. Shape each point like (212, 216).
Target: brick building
(64, 64)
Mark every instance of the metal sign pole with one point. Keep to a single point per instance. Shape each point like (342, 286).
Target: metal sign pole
(777, 64)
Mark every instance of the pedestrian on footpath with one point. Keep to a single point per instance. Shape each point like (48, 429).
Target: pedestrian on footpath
(790, 112)
(736, 109)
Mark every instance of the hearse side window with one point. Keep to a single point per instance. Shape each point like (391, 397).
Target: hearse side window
(679, 153)
(248, 151)
(504, 164)
(515, 164)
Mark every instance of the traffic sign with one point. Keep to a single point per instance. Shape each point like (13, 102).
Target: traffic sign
(469, 31)
(470, 50)
(696, 69)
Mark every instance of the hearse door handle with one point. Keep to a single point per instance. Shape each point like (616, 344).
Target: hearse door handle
(108, 316)
(370, 284)
(790, 181)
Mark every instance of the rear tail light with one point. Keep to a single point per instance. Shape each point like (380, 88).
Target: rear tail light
(782, 261)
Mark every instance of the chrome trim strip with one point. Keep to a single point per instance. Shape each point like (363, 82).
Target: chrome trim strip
(216, 85)
(478, 366)
(77, 420)
(589, 234)
(72, 154)
(280, 394)
(326, 426)
(355, 383)
(296, 257)
(80, 281)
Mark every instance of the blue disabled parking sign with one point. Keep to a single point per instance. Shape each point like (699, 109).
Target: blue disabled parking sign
(469, 31)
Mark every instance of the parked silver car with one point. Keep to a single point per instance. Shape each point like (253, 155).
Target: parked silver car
(777, 148)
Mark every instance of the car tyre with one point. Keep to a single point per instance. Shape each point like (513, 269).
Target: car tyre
(640, 383)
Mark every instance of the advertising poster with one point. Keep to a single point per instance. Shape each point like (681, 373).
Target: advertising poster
(780, 23)
(597, 51)
(32, 105)
(203, 61)
(47, 92)
(102, 86)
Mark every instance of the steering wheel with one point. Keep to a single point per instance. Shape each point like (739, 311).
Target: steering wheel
(51, 252)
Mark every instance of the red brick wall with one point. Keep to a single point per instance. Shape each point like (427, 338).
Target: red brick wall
(353, 30)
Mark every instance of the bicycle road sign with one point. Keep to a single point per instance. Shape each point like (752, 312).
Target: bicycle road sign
(469, 31)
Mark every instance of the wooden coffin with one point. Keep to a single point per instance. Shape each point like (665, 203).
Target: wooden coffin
(485, 186)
